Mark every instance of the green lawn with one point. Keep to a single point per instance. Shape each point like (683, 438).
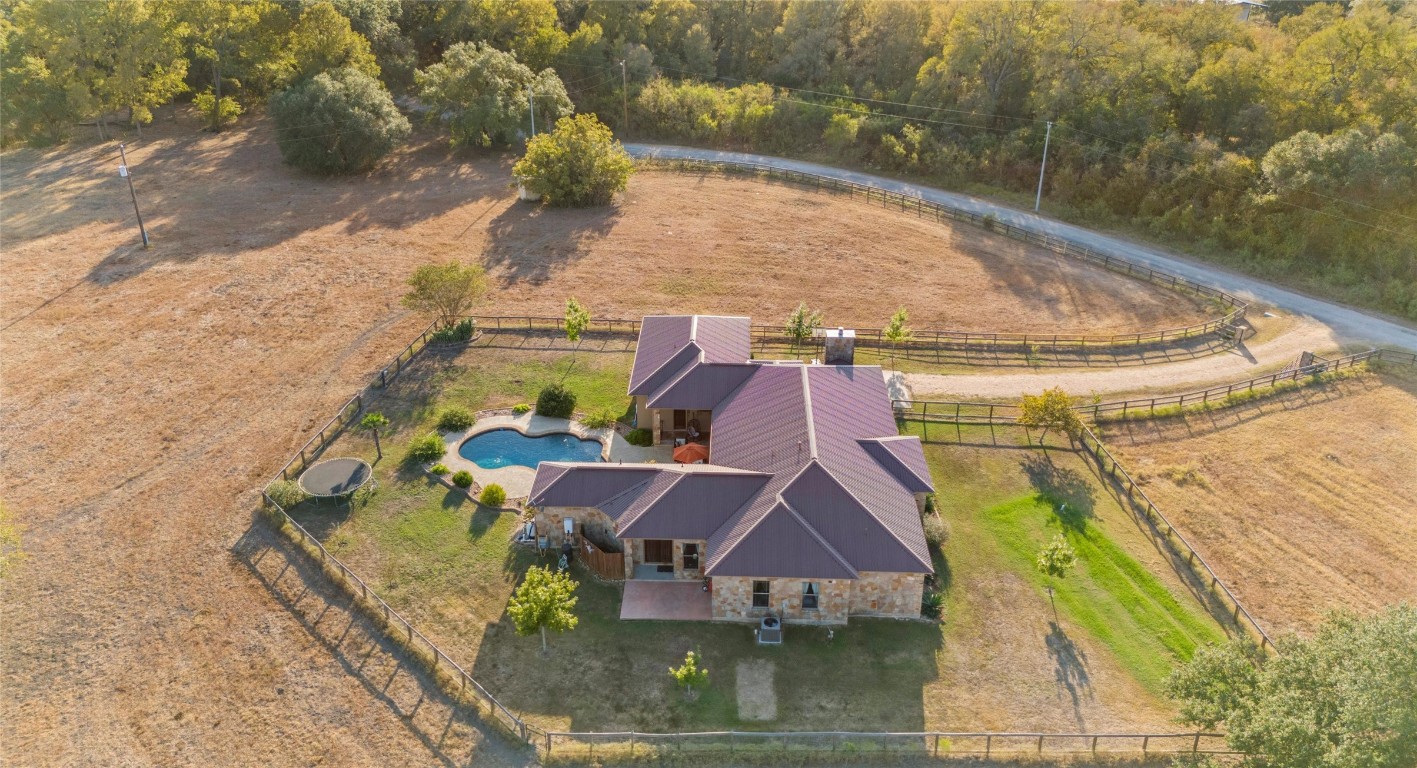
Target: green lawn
(450, 567)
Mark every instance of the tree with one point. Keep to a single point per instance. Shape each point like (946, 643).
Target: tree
(323, 41)
(373, 422)
(1051, 410)
(337, 122)
(545, 600)
(801, 325)
(896, 332)
(577, 165)
(484, 95)
(1055, 560)
(377, 21)
(445, 291)
(690, 675)
(1344, 698)
(67, 60)
(243, 40)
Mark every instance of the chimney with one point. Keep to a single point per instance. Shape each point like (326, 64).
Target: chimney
(841, 347)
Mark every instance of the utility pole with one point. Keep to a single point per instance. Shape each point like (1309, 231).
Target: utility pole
(531, 100)
(1038, 200)
(625, 96)
(123, 171)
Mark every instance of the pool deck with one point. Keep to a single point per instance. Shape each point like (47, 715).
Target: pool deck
(517, 480)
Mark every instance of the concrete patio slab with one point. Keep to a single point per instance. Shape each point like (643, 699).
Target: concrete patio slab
(666, 601)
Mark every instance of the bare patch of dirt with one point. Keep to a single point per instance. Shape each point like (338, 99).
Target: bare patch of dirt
(1302, 504)
(147, 392)
(757, 699)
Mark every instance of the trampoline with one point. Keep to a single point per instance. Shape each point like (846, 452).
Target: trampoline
(334, 478)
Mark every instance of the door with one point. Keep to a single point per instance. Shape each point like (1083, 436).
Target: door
(659, 551)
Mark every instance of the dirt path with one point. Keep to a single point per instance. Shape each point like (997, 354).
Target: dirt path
(1233, 365)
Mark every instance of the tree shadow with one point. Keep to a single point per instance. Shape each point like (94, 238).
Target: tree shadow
(528, 243)
(1069, 492)
(452, 733)
(1069, 668)
(209, 196)
(481, 520)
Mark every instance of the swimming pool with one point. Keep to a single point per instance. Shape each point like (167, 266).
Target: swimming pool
(507, 447)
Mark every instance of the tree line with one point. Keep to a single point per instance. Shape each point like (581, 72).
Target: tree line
(1285, 144)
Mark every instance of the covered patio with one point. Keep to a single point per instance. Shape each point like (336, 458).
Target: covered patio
(666, 601)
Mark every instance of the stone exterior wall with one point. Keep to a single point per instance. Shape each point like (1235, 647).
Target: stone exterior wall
(895, 595)
(589, 521)
(733, 600)
(888, 594)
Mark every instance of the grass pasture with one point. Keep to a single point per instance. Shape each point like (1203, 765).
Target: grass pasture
(1303, 503)
(1001, 659)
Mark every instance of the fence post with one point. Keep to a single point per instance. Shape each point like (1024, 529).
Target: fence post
(937, 745)
(988, 743)
(1196, 745)
(1144, 741)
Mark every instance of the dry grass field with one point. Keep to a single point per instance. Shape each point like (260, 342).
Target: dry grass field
(1303, 504)
(147, 393)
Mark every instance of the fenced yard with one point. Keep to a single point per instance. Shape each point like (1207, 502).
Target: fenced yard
(444, 565)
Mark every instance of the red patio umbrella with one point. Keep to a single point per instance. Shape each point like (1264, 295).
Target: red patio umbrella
(691, 452)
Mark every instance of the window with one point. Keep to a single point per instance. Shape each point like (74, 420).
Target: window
(760, 594)
(810, 593)
(691, 557)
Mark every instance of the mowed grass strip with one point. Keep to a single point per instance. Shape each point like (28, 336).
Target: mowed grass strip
(1000, 495)
(1109, 594)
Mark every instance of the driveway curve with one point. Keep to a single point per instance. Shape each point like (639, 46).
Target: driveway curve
(1347, 323)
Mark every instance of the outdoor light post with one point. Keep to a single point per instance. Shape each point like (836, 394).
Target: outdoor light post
(123, 171)
(531, 102)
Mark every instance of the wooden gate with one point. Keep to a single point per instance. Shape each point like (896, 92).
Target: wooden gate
(606, 565)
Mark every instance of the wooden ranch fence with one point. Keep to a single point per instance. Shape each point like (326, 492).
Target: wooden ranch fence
(1235, 306)
(609, 746)
(951, 412)
(462, 687)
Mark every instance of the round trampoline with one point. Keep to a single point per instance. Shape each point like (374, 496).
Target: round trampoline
(335, 477)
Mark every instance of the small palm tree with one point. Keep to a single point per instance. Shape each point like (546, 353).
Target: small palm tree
(373, 422)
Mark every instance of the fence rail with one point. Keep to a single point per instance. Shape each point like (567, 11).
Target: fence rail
(923, 743)
(1235, 306)
(952, 412)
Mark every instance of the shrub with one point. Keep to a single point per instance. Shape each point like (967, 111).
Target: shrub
(439, 469)
(427, 448)
(454, 334)
(937, 531)
(216, 112)
(521, 408)
(455, 419)
(932, 604)
(286, 493)
(556, 401)
(463, 479)
(492, 496)
(640, 437)
(579, 164)
(601, 420)
(342, 121)
(447, 292)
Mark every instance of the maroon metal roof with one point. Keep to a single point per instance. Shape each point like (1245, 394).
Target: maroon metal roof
(661, 337)
(832, 483)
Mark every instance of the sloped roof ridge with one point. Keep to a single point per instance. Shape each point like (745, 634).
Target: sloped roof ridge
(718, 557)
(636, 487)
(894, 458)
(815, 534)
(885, 525)
(627, 522)
(811, 425)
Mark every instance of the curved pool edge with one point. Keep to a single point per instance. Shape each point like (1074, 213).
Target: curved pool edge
(515, 479)
(524, 448)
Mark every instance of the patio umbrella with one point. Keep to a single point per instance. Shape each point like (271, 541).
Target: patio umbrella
(690, 453)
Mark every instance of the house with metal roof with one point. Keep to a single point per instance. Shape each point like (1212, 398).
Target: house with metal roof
(808, 507)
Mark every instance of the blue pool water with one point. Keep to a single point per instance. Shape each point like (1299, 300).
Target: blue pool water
(505, 447)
